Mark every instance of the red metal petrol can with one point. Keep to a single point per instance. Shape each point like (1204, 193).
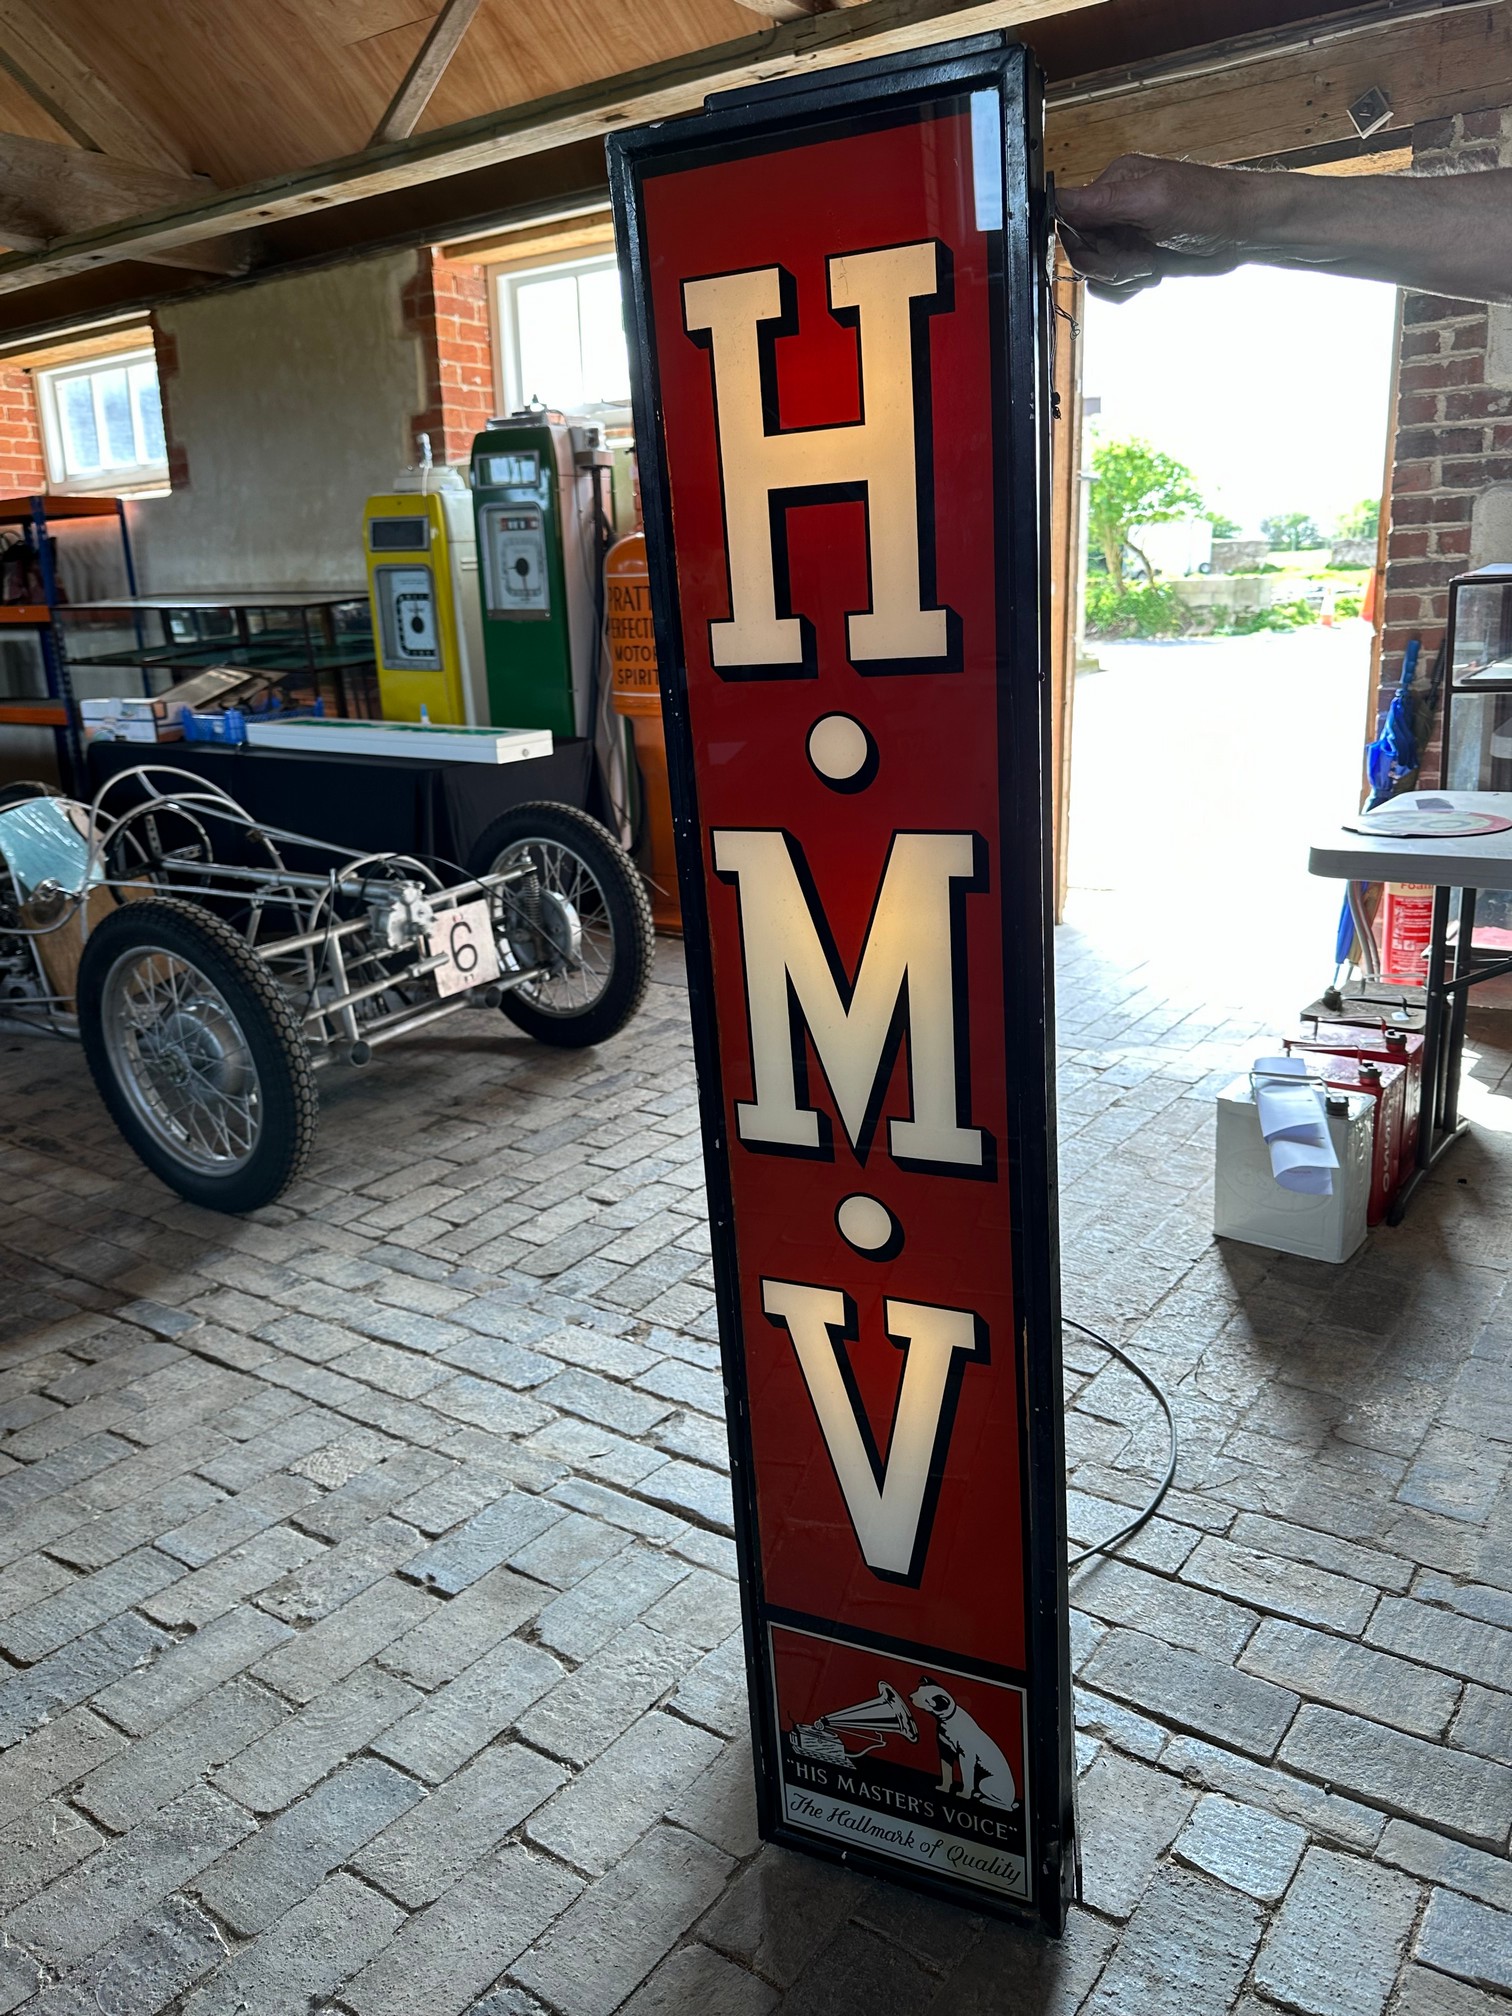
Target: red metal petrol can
(1387, 1085)
(1381, 1045)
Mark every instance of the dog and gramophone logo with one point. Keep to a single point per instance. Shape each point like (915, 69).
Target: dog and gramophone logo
(902, 1758)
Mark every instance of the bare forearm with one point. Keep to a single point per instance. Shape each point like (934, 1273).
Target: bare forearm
(1146, 219)
(1449, 234)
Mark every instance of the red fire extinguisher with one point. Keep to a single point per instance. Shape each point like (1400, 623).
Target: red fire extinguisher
(1406, 923)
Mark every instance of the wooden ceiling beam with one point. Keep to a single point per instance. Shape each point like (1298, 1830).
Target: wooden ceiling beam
(49, 191)
(790, 49)
(562, 238)
(1233, 101)
(1250, 103)
(74, 94)
(437, 50)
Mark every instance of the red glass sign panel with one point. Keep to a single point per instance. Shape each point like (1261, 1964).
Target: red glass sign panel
(837, 304)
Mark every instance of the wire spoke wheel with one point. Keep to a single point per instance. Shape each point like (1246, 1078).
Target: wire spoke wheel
(183, 1060)
(198, 1054)
(573, 917)
(556, 917)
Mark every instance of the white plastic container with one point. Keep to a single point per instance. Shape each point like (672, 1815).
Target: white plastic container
(1248, 1202)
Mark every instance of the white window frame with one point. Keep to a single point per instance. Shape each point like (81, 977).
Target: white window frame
(122, 481)
(614, 416)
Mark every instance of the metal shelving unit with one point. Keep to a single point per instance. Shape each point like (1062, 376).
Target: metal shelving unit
(55, 706)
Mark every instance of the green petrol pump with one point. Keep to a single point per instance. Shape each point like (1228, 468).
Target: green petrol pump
(537, 482)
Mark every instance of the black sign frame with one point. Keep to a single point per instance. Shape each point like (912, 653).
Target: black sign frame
(740, 121)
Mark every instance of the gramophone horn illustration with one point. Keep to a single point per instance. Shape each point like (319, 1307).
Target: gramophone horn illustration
(869, 1723)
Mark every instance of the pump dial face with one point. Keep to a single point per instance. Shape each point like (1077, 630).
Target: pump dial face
(515, 552)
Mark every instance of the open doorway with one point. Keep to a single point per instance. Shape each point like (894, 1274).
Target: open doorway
(1233, 455)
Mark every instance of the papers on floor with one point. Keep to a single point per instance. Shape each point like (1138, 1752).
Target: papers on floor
(1294, 1121)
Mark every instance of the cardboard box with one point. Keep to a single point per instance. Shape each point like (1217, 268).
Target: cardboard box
(126, 718)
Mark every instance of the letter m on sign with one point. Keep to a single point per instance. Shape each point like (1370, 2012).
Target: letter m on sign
(910, 976)
(883, 459)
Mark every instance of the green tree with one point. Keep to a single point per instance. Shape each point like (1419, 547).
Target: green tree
(1291, 531)
(1134, 484)
(1224, 528)
(1363, 521)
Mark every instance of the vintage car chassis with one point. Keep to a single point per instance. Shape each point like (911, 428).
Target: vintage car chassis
(212, 963)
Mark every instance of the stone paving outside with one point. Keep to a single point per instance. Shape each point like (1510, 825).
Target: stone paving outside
(368, 1640)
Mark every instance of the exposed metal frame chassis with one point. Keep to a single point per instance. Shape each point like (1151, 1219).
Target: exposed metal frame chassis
(332, 1028)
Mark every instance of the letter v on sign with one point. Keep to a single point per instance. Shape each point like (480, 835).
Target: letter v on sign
(890, 1500)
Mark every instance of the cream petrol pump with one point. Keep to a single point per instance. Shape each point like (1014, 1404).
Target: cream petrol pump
(422, 567)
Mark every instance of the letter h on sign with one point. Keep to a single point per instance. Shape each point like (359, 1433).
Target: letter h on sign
(836, 301)
(887, 294)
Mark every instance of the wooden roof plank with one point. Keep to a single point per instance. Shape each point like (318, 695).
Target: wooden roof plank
(73, 93)
(49, 191)
(1459, 60)
(784, 10)
(425, 73)
(662, 90)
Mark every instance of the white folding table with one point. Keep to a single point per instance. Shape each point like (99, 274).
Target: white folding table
(1455, 868)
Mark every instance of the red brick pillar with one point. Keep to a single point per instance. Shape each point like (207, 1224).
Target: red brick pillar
(446, 307)
(1454, 430)
(23, 467)
(166, 352)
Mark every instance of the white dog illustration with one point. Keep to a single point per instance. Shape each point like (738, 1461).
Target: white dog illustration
(965, 1747)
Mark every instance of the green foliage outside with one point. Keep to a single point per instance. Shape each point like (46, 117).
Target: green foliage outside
(1291, 531)
(1151, 609)
(1363, 521)
(1137, 609)
(1134, 484)
(1280, 616)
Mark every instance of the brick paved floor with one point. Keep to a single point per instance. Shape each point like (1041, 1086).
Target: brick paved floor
(366, 1625)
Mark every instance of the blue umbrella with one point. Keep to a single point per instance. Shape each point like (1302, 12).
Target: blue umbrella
(1392, 757)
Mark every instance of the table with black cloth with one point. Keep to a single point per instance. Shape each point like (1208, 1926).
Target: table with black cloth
(374, 803)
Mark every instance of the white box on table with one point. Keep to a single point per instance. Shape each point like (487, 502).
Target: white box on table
(424, 742)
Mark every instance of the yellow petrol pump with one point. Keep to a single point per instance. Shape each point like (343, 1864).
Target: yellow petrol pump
(422, 566)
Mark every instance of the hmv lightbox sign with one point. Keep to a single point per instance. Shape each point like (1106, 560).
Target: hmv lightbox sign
(837, 295)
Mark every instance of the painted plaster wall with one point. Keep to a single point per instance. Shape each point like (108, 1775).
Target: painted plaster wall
(287, 405)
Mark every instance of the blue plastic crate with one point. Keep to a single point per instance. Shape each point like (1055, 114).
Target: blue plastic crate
(229, 726)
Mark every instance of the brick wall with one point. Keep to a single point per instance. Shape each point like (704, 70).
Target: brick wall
(1453, 457)
(166, 355)
(23, 470)
(446, 306)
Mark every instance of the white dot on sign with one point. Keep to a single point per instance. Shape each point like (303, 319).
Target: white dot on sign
(865, 1224)
(838, 747)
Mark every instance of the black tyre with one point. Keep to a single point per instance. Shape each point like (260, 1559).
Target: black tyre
(576, 914)
(198, 1056)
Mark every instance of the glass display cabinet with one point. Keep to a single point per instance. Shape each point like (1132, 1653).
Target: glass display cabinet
(1478, 690)
(318, 640)
(1477, 702)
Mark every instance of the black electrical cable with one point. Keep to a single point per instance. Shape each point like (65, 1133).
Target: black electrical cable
(1148, 1379)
